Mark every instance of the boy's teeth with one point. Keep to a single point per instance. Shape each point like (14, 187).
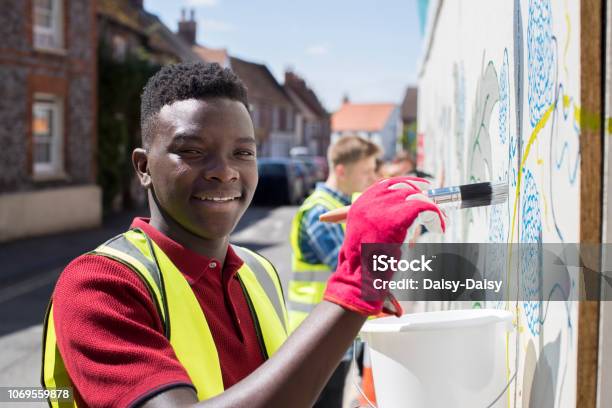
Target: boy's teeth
(216, 198)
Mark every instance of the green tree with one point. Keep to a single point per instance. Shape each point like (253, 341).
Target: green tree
(120, 83)
(409, 139)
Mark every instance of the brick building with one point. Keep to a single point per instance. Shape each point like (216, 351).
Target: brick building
(48, 116)
(272, 111)
(312, 122)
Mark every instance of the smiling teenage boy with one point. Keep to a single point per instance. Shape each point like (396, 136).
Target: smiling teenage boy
(169, 313)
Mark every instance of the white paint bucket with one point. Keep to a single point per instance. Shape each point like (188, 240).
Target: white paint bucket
(454, 358)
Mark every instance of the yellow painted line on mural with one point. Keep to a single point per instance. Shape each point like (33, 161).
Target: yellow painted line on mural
(534, 135)
(585, 121)
(566, 101)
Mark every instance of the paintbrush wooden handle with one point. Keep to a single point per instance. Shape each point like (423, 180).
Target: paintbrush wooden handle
(335, 216)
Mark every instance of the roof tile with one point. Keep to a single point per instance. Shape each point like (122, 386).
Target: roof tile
(362, 117)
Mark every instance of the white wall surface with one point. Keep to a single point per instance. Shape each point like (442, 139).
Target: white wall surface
(499, 99)
(41, 212)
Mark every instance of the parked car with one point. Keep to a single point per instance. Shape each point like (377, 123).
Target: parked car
(317, 165)
(322, 167)
(310, 175)
(317, 168)
(304, 174)
(281, 181)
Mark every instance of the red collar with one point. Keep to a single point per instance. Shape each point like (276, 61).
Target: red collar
(191, 264)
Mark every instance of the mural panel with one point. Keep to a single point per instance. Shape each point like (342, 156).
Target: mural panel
(499, 97)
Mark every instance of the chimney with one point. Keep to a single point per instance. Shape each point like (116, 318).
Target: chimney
(187, 28)
(345, 99)
(294, 80)
(137, 4)
(289, 76)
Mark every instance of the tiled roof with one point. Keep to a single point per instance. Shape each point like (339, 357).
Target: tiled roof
(160, 35)
(218, 55)
(260, 82)
(362, 117)
(121, 12)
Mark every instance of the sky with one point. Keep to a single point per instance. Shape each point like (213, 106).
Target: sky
(366, 49)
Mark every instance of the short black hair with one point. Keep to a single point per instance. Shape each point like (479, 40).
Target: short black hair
(190, 80)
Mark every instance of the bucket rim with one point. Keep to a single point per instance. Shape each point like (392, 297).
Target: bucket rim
(438, 320)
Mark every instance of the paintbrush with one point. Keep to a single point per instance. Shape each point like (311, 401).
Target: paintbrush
(465, 196)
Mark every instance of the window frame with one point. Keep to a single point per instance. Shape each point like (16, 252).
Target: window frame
(255, 115)
(56, 32)
(275, 118)
(55, 167)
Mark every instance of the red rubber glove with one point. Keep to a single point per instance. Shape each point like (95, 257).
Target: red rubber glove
(387, 212)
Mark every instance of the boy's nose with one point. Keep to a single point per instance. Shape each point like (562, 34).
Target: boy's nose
(220, 170)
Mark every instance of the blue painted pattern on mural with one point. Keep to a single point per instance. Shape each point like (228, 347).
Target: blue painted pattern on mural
(512, 165)
(540, 59)
(496, 254)
(530, 262)
(504, 100)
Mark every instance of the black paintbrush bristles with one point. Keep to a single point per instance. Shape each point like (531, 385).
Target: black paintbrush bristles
(481, 194)
(476, 195)
(470, 195)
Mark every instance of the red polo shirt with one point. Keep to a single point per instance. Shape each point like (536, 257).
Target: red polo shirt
(110, 335)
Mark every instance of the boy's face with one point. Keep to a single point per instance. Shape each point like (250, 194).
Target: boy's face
(202, 164)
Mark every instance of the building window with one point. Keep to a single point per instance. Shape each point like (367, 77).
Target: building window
(282, 119)
(47, 134)
(48, 24)
(255, 115)
(275, 118)
(290, 123)
(119, 48)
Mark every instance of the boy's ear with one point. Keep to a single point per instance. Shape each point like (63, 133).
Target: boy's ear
(140, 160)
(339, 170)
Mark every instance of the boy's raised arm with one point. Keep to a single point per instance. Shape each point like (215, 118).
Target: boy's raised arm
(298, 371)
(295, 375)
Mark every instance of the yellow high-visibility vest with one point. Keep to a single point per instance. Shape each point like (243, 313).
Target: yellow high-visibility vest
(308, 281)
(183, 320)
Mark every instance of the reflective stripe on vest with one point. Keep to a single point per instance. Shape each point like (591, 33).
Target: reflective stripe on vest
(308, 281)
(180, 312)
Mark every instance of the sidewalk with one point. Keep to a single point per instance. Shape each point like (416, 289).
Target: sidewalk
(26, 257)
(31, 266)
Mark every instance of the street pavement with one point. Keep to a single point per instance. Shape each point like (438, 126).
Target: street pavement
(30, 267)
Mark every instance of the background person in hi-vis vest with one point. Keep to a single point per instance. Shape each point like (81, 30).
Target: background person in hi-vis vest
(169, 314)
(315, 245)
